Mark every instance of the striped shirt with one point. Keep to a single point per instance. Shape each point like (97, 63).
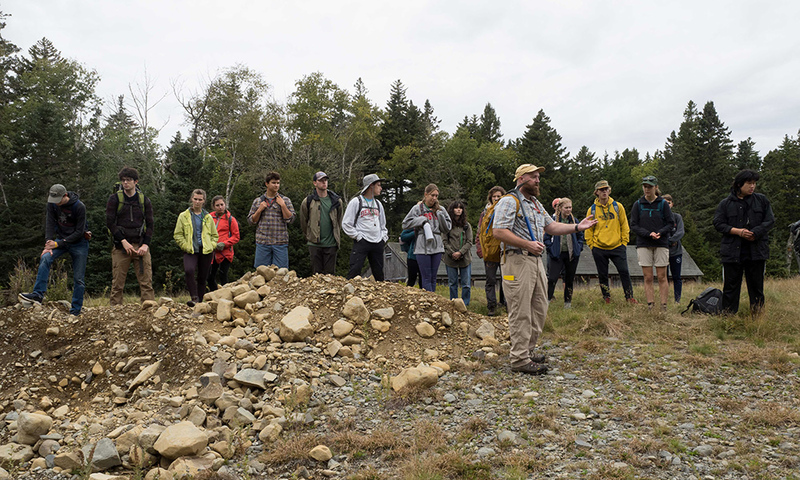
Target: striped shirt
(506, 216)
(272, 228)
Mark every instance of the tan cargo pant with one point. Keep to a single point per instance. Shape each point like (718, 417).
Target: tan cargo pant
(120, 263)
(525, 287)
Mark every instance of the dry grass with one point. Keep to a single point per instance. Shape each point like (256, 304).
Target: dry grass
(772, 414)
(602, 324)
(290, 450)
(696, 360)
(368, 473)
(385, 438)
(451, 464)
(731, 405)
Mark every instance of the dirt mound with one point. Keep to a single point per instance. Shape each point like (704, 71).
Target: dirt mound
(47, 356)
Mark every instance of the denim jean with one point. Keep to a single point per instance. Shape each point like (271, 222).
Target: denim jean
(428, 268)
(453, 274)
(277, 255)
(80, 253)
(675, 269)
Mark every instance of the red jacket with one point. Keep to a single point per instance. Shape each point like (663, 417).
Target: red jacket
(228, 229)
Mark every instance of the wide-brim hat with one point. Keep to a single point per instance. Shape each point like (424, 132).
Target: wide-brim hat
(369, 180)
(526, 168)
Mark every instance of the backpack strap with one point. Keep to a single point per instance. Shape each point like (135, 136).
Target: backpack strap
(691, 303)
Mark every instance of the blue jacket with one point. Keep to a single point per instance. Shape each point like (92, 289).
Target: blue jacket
(409, 237)
(553, 244)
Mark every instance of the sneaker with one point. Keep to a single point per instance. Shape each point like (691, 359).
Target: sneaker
(537, 357)
(532, 368)
(30, 298)
(607, 299)
(567, 305)
(632, 301)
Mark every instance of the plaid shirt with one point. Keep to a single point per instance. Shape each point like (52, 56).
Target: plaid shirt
(272, 228)
(506, 216)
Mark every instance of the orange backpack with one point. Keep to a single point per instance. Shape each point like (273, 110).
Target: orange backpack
(490, 246)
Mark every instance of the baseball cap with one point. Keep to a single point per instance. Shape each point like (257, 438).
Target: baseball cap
(601, 184)
(650, 180)
(319, 175)
(57, 192)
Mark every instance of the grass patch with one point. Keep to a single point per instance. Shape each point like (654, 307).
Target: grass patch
(772, 414)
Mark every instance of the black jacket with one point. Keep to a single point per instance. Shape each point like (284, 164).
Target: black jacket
(754, 213)
(647, 217)
(66, 222)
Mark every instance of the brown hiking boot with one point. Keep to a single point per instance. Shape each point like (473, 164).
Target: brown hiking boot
(532, 368)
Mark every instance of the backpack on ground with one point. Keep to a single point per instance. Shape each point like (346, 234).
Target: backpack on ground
(614, 204)
(708, 302)
(490, 246)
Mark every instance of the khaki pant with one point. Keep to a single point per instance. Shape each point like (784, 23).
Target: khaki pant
(120, 263)
(525, 287)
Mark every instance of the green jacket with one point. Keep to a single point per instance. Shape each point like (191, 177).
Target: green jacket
(310, 214)
(184, 232)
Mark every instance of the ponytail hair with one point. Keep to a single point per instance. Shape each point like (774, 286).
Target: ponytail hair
(559, 206)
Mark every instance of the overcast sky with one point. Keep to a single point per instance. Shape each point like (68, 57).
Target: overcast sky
(610, 74)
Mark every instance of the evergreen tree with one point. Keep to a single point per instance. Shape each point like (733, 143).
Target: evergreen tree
(780, 182)
(489, 128)
(541, 146)
(747, 156)
(470, 126)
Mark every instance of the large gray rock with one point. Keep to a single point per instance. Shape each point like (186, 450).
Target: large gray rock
(31, 425)
(296, 325)
(384, 313)
(486, 330)
(104, 456)
(149, 436)
(356, 311)
(182, 439)
(255, 378)
(14, 454)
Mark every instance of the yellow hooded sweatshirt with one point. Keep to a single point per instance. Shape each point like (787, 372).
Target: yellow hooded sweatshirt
(611, 230)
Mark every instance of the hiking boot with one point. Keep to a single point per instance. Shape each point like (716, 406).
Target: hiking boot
(191, 303)
(567, 305)
(537, 357)
(532, 368)
(607, 299)
(491, 312)
(632, 301)
(30, 298)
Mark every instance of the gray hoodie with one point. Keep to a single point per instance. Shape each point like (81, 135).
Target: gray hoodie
(440, 223)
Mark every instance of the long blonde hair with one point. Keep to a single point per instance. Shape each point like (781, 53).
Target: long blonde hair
(428, 190)
(559, 206)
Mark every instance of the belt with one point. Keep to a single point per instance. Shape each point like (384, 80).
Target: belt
(522, 252)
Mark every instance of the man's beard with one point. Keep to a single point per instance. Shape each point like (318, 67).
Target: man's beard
(530, 189)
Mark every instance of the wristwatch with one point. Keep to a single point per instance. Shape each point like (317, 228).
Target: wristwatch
(576, 227)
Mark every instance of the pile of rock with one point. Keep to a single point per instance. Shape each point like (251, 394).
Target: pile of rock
(261, 374)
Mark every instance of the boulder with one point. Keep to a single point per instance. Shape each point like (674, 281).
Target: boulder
(384, 313)
(218, 294)
(191, 466)
(31, 425)
(104, 456)
(250, 296)
(425, 329)
(224, 310)
(415, 377)
(255, 378)
(266, 272)
(320, 453)
(296, 325)
(182, 439)
(380, 325)
(68, 461)
(15, 454)
(459, 305)
(342, 328)
(486, 330)
(356, 311)
(270, 433)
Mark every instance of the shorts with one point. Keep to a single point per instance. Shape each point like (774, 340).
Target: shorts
(653, 256)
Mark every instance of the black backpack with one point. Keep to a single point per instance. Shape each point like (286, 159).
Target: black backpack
(708, 302)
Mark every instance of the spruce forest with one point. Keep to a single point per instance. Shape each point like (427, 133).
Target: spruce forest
(55, 129)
